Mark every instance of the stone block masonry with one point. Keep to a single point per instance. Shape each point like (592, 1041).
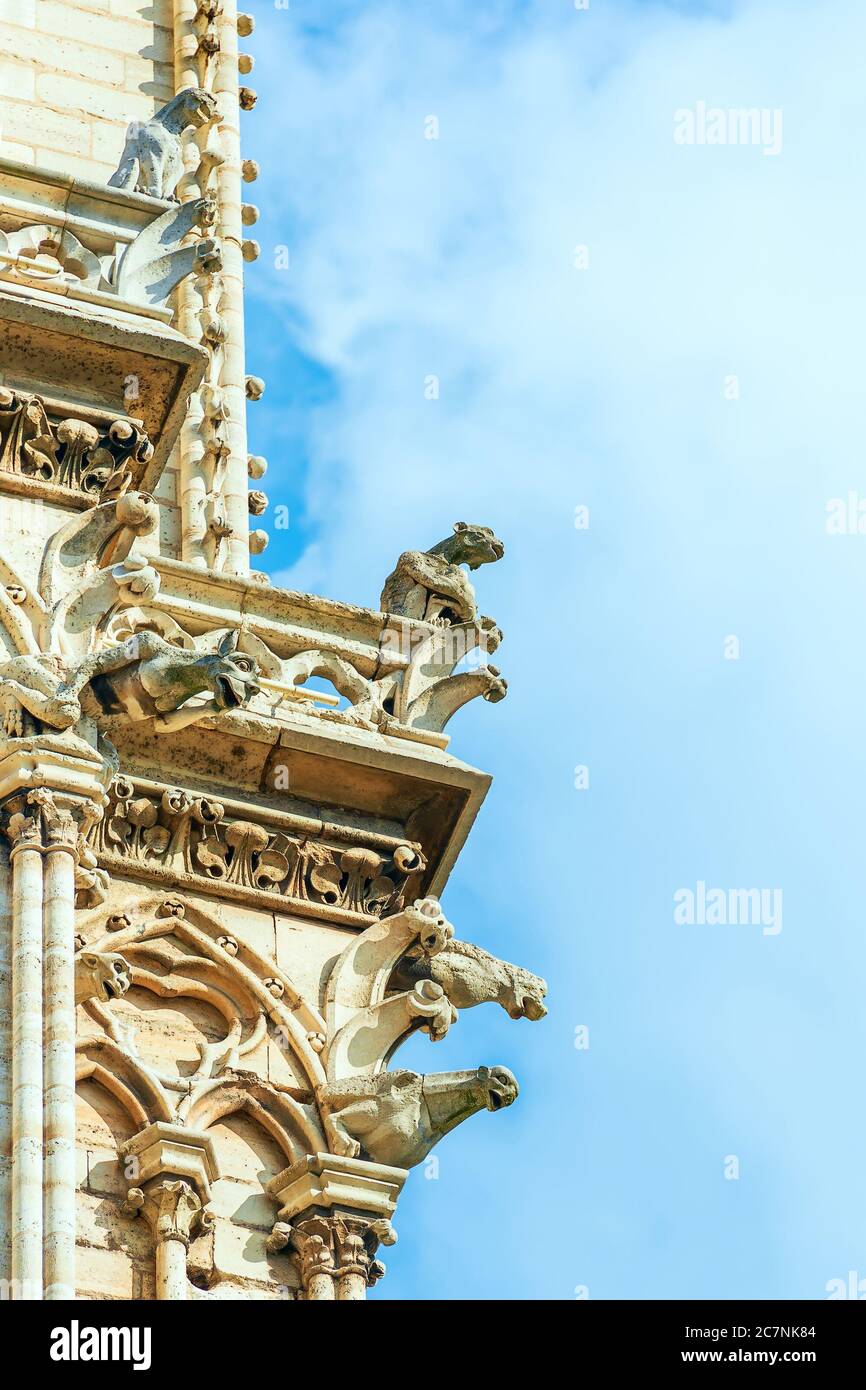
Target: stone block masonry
(74, 73)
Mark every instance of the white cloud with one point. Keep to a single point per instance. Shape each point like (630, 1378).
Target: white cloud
(605, 386)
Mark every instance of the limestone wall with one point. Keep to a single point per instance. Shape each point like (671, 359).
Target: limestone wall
(73, 73)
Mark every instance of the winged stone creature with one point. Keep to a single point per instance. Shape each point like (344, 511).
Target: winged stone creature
(144, 677)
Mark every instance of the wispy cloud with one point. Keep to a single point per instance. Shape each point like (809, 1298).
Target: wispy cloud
(668, 334)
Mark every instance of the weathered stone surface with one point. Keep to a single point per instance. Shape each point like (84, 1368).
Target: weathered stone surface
(151, 162)
(226, 810)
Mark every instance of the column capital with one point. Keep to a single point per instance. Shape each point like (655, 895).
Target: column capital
(334, 1214)
(23, 831)
(172, 1209)
(356, 1241)
(340, 1246)
(165, 1151)
(48, 820)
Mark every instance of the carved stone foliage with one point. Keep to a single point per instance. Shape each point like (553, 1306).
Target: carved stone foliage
(72, 453)
(335, 1255)
(174, 834)
(38, 819)
(172, 1209)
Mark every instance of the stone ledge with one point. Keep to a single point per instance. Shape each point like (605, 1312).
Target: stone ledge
(328, 1181)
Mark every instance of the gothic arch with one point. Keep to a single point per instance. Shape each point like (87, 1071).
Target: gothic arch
(281, 1117)
(227, 966)
(101, 1059)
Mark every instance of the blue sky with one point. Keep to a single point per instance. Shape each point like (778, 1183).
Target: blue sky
(699, 386)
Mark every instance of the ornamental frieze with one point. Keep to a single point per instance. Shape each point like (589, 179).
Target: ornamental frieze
(316, 868)
(98, 462)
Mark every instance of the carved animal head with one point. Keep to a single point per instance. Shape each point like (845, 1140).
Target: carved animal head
(500, 1086)
(470, 975)
(450, 1096)
(398, 1116)
(174, 675)
(497, 689)
(432, 926)
(475, 545)
(191, 107)
(523, 995)
(102, 975)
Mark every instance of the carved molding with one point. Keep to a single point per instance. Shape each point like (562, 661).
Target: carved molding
(172, 951)
(172, 835)
(73, 454)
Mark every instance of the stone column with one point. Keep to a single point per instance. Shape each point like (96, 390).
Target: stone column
(173, 1169)
(48, 795)
(231, 305)
(6, 1054)
(24, 833)
(174, 1213)
(312, 1248)
(356, 1241)
(334, 1214)
(190, 449)
(61, 858)
(212, 447)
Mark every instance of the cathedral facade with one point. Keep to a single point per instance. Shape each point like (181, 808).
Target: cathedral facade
(227, 810)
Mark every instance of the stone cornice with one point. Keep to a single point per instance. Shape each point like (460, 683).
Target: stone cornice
(259, 856)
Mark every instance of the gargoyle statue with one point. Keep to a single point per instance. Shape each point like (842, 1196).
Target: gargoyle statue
(396, 1117)
(162, 254)
(142, 678)
(471, 976)
(430, 585)
(152, 161)
(102, 975)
